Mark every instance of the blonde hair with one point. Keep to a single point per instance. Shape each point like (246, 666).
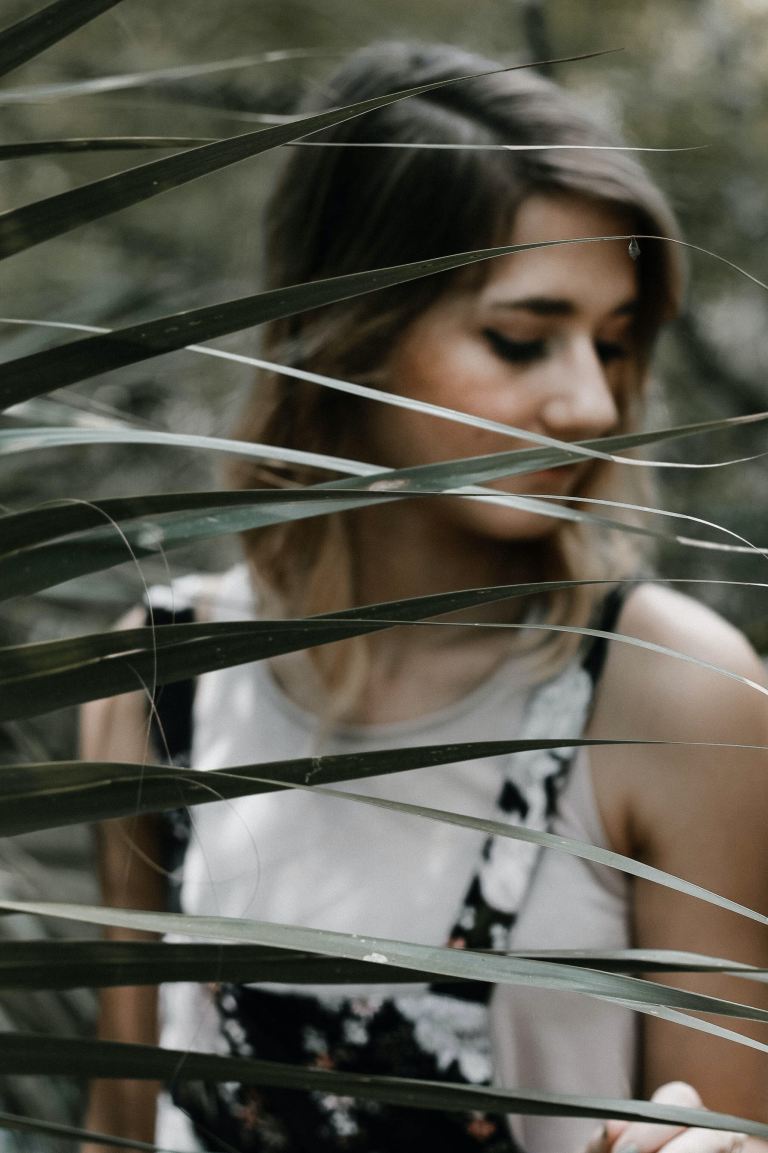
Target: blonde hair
(338, 210)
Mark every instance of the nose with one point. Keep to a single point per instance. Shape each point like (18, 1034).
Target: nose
(581, 403)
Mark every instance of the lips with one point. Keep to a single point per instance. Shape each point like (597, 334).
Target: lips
(566, 474)
(556, 480)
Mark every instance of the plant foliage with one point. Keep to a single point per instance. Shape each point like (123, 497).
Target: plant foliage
(58, 539)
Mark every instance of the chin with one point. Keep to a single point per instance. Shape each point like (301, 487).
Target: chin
(509, 525)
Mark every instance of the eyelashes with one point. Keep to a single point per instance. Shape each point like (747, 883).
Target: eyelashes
(515, 351)
(529, 351)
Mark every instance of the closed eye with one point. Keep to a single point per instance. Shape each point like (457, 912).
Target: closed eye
(609, 351)
(515, 351)
(529, 351)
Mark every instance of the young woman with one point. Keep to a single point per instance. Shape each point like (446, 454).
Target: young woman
(555, 341)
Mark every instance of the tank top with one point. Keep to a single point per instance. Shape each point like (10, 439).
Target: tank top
(352, 869)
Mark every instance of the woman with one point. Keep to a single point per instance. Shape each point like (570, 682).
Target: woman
(555, 341)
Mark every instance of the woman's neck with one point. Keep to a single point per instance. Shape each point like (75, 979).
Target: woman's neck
(402, 551)
(405, 550)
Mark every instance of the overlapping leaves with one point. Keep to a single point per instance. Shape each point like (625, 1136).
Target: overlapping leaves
(39, 677)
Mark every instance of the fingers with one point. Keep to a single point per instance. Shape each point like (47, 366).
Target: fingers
(614, 1129)
(706, 1141)
(649, 1136)
(602, 1139)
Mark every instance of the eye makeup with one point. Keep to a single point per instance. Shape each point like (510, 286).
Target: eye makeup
(529, 351)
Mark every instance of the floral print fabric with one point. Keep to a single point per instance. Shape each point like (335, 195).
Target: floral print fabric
(440, 1032)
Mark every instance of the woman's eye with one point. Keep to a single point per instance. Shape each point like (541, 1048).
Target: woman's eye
(515, 351)
(609, 351)
(529, 351)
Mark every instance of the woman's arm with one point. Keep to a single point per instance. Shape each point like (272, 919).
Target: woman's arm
(699, 813)
(116, 730)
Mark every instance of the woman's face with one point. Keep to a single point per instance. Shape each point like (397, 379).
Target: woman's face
(545, 344)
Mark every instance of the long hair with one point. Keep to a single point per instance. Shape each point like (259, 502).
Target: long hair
(337, 210)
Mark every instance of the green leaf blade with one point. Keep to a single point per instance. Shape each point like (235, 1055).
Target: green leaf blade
(51, 1056)
(29, 37)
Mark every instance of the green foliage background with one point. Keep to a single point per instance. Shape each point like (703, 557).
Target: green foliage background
(695, 73)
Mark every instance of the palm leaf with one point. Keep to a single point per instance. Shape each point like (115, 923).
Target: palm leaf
(44, 371)
(41, 796)
(98, 85)
(50, 675)
(32, 570)
(58, 793)
(22, 228)
(29, 37)
(23, 149)
(37, 678)
(52, 1055)
(18, 1124)
(647, 997)
(25, 572)
(75, 964)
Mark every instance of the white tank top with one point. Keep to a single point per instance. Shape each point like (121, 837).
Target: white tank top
(242, 861)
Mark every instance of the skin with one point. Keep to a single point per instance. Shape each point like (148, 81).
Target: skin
(544, 345)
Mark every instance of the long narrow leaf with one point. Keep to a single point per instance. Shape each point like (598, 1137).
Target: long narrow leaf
(33, 572)
(21, 439)
(72, 964)
(444, 146)
(602, 448)
(398, 400)
(22, 228)
(582, 849)
(29, 37)
(40, 796)
(52, 1055)
(18, 1124)
(37, 678)
(26, 148)
(42, 372)
(381, 396)
(32, 569)
(184, 516)
(98, 85)
(647, 997)
(81, 359)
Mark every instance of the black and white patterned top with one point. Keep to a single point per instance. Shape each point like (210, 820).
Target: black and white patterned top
(436, 1032)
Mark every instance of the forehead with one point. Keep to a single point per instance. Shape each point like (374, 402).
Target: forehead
(595, 277)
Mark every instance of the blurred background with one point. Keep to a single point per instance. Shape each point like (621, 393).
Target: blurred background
(691, 74)
(694, 73)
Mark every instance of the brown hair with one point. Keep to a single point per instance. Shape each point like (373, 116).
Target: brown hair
(336, 210)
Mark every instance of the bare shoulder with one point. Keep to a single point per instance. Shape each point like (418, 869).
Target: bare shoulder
(696, 688)
(696, 691)
(114, 728)
(663, 614)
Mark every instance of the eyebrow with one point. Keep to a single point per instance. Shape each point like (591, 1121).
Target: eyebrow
(552, 306)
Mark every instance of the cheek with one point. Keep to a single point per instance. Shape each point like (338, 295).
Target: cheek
(401, 439)
(433, 371)
(426, 371)
(463, 377)
(452, 372)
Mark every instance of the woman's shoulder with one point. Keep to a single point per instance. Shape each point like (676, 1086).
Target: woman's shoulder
(694, 680)
(114, 728)
(208, 596)
(659, 610)
(690, 669)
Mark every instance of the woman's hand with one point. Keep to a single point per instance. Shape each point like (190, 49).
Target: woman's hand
(649, 1137)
